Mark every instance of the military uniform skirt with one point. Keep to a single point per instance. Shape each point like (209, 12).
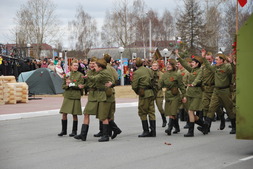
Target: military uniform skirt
(105, 110)
(91, 108)
(171, 107)
(194, 103)
(71, 107)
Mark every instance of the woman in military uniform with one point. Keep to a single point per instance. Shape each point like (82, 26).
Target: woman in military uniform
(193, 93)
(103, 81)
(172, 81)
(158, 92)
(92, 104)
(72, 84)
(112, 125)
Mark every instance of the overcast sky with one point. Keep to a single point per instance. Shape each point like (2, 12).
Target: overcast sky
(66, 10)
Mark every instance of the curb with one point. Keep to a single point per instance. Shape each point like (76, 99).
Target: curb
(51, 112)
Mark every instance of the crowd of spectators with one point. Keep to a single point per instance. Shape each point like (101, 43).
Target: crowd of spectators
(15, 67)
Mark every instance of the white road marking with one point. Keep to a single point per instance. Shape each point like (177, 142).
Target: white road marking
(246, 158)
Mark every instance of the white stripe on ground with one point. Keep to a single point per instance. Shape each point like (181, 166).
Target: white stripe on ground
(246, 158)
(51, 112)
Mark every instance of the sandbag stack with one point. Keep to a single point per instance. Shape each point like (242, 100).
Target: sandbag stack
(12, 92)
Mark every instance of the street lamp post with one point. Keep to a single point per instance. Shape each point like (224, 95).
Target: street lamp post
(53, 52)
(121, 50)
(28, 47)
(150, 40)
(165, 52)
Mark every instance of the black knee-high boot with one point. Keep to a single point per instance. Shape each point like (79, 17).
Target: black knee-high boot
(222, 121)
(100, 133)
(116, 130)
(233, 131)
(170, 126)
(83, 134)
(200, 114)
(181, 114)
(203, 126)
(176, 125)
(64, 128)
(105, 136)
(74, 129)
(190, 130)
(152, 128)
(145, 129)
(164, 120)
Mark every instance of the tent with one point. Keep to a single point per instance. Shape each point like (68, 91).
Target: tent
(44, 81)
(24, 76)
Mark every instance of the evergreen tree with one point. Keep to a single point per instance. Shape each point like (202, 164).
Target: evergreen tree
(190, 25)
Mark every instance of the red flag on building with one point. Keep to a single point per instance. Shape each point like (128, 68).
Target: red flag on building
(242, 2)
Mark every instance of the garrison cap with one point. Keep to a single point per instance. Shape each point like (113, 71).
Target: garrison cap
(101, 62)
(93, 59)
(199, 59)
(221, 55)
(107, 57)
(139, 62)
(188, 59)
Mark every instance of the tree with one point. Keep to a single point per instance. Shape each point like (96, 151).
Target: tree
(190, 25)
(229, 22)
(119, 28)
(167, 26)
(36, 23)
(83, 31)
(210, 34)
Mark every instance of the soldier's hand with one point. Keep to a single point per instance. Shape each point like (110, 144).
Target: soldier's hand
(108, 84)
(203, 52)
(184, 100)
(81, 86)
(176, 52)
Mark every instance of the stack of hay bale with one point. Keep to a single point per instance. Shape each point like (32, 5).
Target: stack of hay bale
(12, 92)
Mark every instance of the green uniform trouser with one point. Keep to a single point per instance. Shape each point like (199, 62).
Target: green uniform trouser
(221, 97)
(146, 107)
(159, 104)
(206, 99)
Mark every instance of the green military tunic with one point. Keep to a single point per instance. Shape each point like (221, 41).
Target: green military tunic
(158, 92)
(72, 95)
(221, 93)
(184, 74)
(172, 81)
(208, 87)
(194, 93)
(105, 102)
(114, 76)
(92, 104)
(142, 85)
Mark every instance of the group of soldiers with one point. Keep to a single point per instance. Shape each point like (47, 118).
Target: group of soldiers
(192, 85)
(100, 80)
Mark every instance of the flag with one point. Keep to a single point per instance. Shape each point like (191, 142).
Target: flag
(242, 2)
(157, 55)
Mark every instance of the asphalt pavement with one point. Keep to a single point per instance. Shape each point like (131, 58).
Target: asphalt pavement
(31, 142)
